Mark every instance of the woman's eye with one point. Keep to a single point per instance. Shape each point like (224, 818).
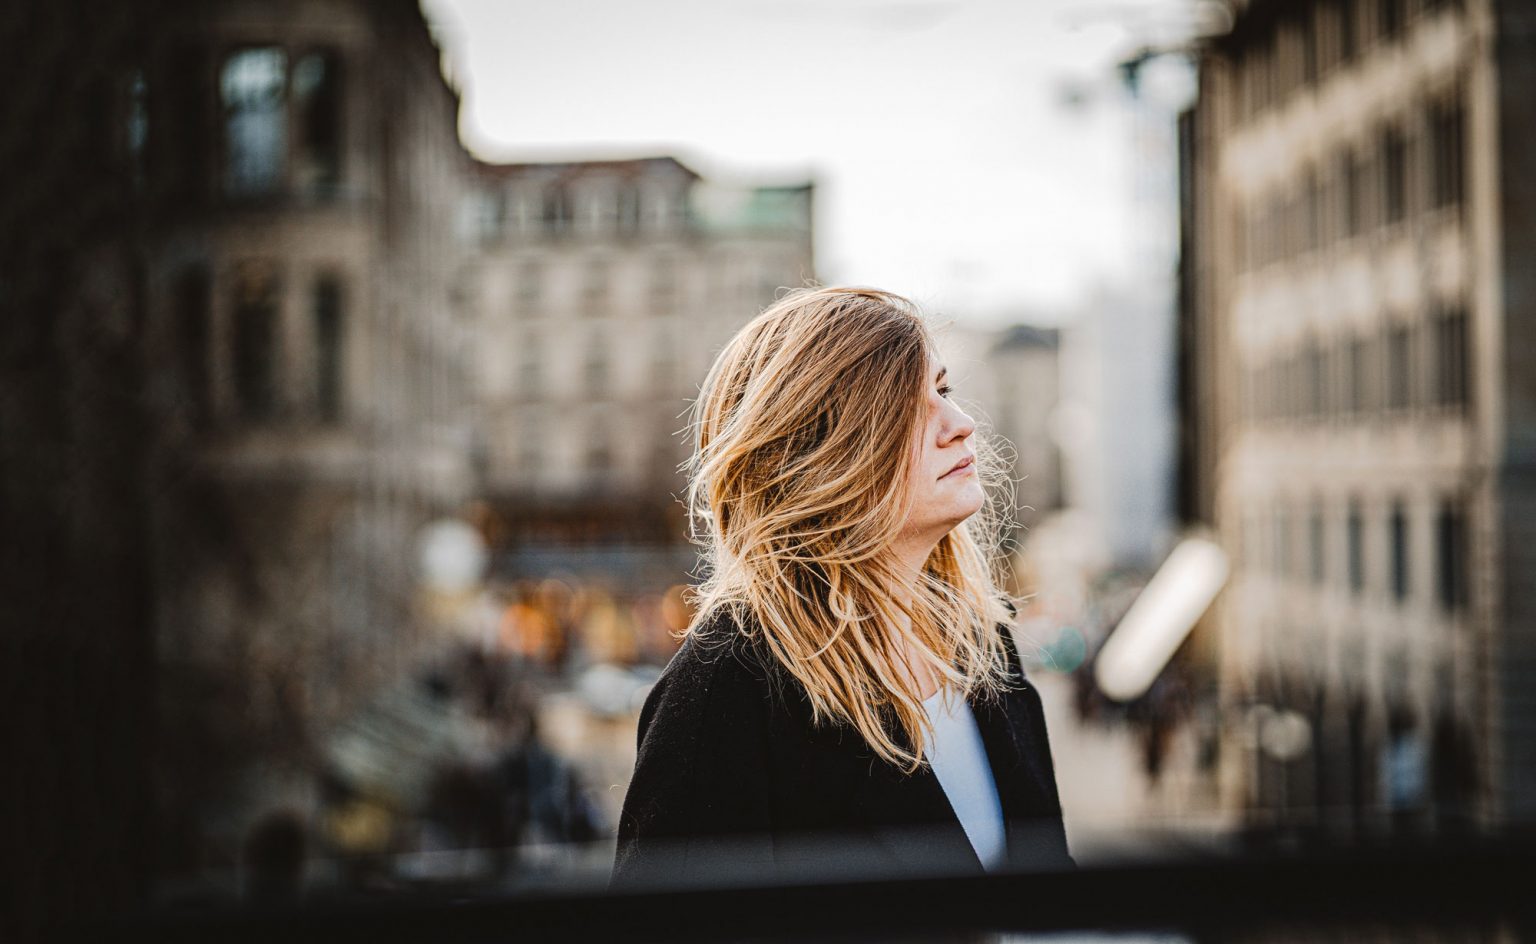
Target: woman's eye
(945, 390)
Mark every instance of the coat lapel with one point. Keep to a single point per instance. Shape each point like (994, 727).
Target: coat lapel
(1025, 784)
(1005, 731)
(912, 820)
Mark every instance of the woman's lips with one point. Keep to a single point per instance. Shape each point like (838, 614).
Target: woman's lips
(968, 463)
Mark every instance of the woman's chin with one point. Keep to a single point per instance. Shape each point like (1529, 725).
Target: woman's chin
(964, 509)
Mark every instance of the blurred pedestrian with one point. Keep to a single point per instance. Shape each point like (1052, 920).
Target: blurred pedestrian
(274, 858)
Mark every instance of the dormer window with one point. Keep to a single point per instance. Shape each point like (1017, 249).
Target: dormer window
(256, 90)
(556, 210)
(251, 86)
(628, 209)
(317, 108)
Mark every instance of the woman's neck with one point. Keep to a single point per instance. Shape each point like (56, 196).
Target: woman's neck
(923, 675)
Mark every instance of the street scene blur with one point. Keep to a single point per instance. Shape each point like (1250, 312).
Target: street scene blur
(348, 371)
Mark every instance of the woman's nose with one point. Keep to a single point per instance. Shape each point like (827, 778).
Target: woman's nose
(961, 426)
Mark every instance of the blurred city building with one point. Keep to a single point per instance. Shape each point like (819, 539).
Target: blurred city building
(300, 169)
(1355, 332)
(1009, 376)
(603, 290)
(1116, 425)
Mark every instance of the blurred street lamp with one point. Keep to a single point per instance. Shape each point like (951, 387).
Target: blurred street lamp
(1284, 735)
(452, 556)
(1162, 616)
(453, 559)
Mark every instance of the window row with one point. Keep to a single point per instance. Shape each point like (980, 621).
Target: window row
(623, 209)
(268, 118)
(598, 361)
(1412, 166)
(603, 454)
(254, 337)
(1308, 41)
(658, 284)
(1295, 545)
(661, 279)
(1423, 365)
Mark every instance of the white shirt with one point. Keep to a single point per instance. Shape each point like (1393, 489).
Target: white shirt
(960, 760)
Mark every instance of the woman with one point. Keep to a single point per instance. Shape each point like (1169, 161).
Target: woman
(848, 700)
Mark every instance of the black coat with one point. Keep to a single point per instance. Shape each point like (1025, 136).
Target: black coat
(732, 782)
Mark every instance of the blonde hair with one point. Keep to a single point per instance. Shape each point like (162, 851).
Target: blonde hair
(800, 481)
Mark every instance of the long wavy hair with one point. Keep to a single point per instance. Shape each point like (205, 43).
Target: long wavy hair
(806, 431)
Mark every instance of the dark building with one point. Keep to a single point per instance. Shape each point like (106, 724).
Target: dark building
(1357, 324)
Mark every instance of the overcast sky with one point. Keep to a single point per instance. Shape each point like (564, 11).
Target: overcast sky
(948, 165)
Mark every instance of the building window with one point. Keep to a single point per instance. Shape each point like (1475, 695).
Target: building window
(329, 346)
(596, 370)
(664, 360)
(531, 366)
(595, 284)
(526, 456)
(136, 127)
(664, 285)
(1349, 35)
(656, 208)
(597, 208)
(1331, 209)
(529, 283)
(1325, 18)
(1355, 550)
(1250, 384)
(555, 210)
(1389, 18)
(1282, 543)
(251, 87)
(1251, 541)
(185, 139)
(481, 214)
(1315, 545)
(1312, 215)
(1451, 359)
(1394, 158)
(1308, 29)
(255, 339)
(1253, 242)
(1447, 147)
(1337, 378)
(629, 209)
(1399, 366)
(520, 205)
(192, 299)
(317, 104)
(599, 451)
(1312, 381)
(1398, 524)
(1451, 556)
(1355, 371)
(1356, 196)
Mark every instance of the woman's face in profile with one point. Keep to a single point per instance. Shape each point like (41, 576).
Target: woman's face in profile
(946, 488)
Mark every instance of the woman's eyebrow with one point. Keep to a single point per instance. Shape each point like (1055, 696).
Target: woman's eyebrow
(940, 375)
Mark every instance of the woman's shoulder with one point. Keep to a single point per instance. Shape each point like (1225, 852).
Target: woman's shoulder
(718, 643)
(717, 668)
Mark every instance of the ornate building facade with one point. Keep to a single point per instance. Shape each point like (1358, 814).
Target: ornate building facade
(301, 175)
(604, 290)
